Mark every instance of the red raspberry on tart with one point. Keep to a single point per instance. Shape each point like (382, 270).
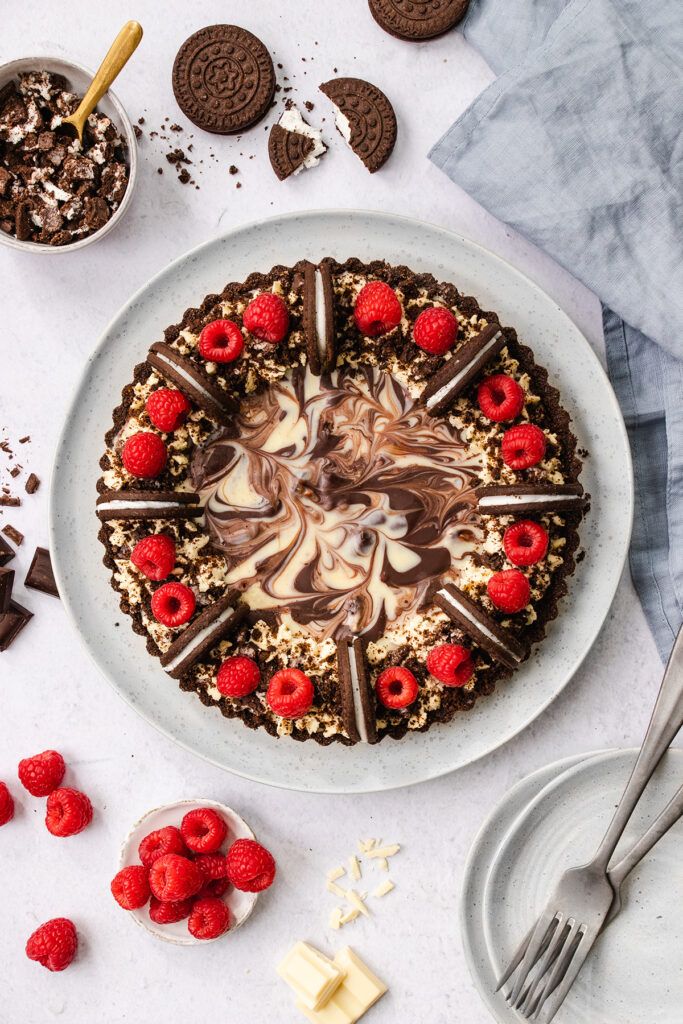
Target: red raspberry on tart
(130, 887)
(290, 693)
(159, 842)
(154, 556)
(210, 917)
(172, 878)
(238, 676)
(525, 542)
(509, 590)
(435, 330)
(500, 398)
(54, 944)
(68, 812)
(267, 318)
(169, 912)
(203, 830)
(167, 409)
(221, 341)
(6, 804)
(396, 687)
(42, 773)
(377, 310)
(173, 604)
(523, 446)
(250, 867)
(451, 664)
(144, 455)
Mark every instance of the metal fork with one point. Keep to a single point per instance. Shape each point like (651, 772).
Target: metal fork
(575, 913)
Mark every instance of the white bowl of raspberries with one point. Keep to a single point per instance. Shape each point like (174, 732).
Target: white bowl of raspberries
(191, 871)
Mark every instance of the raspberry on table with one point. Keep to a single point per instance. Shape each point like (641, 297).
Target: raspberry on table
(154, 556)
(41, 773)
(435, 330)
(54, 944)
(290, 693)
(251, 868)
(130, 887)
(161, 841)
(210, 917)
(509, 590)
(377, 310)
(67, 812)
(172, 878)
(221, 341)
(6, 804)
(238, 676)
(173, 604)
(144, 455)
(500, 398)
(167, 408)
(169, 912)
(203, 830)
(525, 542)
(523, 446)
(396, 687)
(267, 318)
(451, 664)
(213, 866)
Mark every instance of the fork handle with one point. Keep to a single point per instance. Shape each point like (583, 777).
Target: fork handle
(667, 718)
(659, 827)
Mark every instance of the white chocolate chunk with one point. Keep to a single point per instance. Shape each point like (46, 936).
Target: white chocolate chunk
(313, 977)
(358, 992)
(350, 915)
(336, 890)
(384, 888)
(354, 868)
(356, 901)
(334, 873)
(336, 915)
(382, 863)
(384, 851)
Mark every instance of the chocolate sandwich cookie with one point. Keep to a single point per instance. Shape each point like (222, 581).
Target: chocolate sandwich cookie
(318, 317)
(407, 19)
(194, 384)
(148, 505)
(498, 642)
(287, 151)
(457, 372)
(40, 575)
(365, 118)
(497, 500)
(223, 79)
(202, 634)
(358, 705)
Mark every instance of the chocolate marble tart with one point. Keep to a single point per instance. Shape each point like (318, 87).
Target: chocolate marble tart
(338, 502)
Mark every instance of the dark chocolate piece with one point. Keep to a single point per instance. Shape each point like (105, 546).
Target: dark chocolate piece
(223, 79)
(6, 584)
(358, 704)
(497, 500)
(194, 384)
(319, 322)
(407, 19)
(372, 127)
(148, 505)
(32, 484)
(7, 553)
(12, 623)
(463, 366)
(40, 575)
(498, 642)
(203, 633)
(9, 501)
(287, 150)
(13, 534)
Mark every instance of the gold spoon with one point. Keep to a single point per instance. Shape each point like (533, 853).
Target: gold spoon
(120, 52)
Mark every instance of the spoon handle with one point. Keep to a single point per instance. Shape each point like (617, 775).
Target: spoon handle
(119, 53)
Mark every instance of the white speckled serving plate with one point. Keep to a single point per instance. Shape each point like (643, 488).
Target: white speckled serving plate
(121, 655)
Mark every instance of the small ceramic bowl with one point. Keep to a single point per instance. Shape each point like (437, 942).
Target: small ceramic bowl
(78, 79)
(241, 903)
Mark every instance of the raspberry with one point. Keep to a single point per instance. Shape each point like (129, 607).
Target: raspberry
(266, 317)
(172, 878)
(238, 676)
(396, 687)
(509, 590)
(154, 556)
(221, 341)
(215, 887)
(130, 887)
(167, 409)
(210, 918)
(290, 693)
(144, 455)
(525, 542)
(251, 867)
(203, 830)
(500, 398)
(6, 804)
(173, 604)
(451, 664)
(54, 944)
(170, 912)
(42, 773)
(213, 866)
(435, 330)
(523, 446)
(68, 812)
(156, 844)
(377, 310)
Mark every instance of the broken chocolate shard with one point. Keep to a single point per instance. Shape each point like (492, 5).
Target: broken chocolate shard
(525, 498)
(194, 384)
(203, 633)
(463, 366)
(148, 505)
(14, 535)
(32, 484)
(7, 553)
(365, 119)
(6, 584)
(318, 317)
(9, 501)
(495, 640)
(12, 623)
(40, 575)
(358, 703)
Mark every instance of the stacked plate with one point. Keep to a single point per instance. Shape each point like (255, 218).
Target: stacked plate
(553, 820)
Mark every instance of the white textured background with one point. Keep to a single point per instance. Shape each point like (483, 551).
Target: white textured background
(53, 312)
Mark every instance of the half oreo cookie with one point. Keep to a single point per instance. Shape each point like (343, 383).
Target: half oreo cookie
(148, 505)
(497, 500)
(457, 372)
(318, 317)
(365, 118)
(194, 384)
(358, 704)
(498, 642)
(294, 145)
(202, 634)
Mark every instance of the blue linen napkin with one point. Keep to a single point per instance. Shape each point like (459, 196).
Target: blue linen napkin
(578, 145)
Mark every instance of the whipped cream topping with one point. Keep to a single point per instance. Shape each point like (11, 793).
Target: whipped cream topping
(338, 500)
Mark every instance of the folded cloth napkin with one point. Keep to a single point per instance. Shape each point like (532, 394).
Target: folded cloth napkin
(578, 146)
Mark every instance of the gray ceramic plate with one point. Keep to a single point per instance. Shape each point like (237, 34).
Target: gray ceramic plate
(121, 655)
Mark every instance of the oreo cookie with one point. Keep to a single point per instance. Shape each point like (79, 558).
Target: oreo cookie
(318, 317)
(141, 505)
(358, 705)
(497, 500)
(202, 634)
(498, 642)
(294, 145)
(407, 19)
(223, 79)
(194, 384)
(457, 372)
(365, 119)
